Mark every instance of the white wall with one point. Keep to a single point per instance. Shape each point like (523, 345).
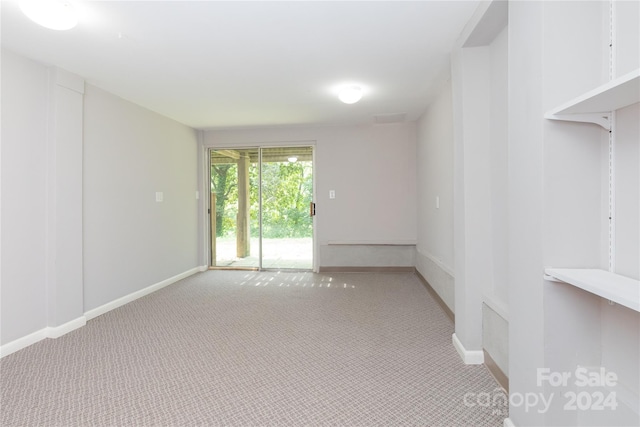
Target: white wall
(627, 46)
(558, 207)
(42, 190)
(473, 193)
(80, 225)
(373, 172)
(627, 178)
(526, 326)
(24, 221)
(479, 73)
(495, 313)
(497, 289)
(434, 250)
(64, 201)
(130, 240)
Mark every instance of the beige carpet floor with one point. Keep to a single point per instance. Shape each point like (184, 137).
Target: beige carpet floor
(240, 348)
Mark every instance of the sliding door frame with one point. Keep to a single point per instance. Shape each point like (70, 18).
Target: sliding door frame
(207, 231)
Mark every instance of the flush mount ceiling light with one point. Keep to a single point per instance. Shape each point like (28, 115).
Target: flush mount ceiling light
(53, 14)
(350, 94)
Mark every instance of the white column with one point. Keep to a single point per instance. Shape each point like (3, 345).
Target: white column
(64, 202)
(472, 220)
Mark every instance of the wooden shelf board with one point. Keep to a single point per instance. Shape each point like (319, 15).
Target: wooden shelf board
(611, 96)
(619, 289)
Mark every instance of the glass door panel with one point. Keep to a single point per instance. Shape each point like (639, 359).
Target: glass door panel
(260, 208)
(287, 192)
(234, 208)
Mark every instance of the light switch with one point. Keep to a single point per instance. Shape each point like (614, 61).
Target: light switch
(159, 196)
(332, 194)
(197, 195)
(437, 202)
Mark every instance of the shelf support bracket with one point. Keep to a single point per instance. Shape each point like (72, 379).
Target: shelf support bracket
(600, 119)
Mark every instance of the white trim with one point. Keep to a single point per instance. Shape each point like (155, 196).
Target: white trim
(436, 261)
(469, 357)
(315, 250)
(372, 242)
(489, 18)
(508, 423)
(205, 198)
(48, 332)
(58, 331)
(92, 314)
(65, 79)
(238, 145)
(23, 342)
(496, 305)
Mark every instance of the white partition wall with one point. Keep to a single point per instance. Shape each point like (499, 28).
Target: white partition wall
(81, 227)
(574, 188)
(24, 175)
(547, 229)
(42, 193)
(480, 186)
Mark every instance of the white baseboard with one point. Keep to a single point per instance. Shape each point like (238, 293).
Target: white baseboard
(496, 305)
(469, 357)
(58, 331)
(437, 261)
(48, 332)
(92, 314)
(20, 343)
(508, 423)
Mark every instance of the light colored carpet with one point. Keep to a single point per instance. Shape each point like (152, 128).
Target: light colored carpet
(240, 348)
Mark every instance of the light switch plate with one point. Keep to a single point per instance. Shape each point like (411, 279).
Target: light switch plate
(159, 196)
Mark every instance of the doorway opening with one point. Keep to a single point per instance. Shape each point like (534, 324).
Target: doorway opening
(261, 208)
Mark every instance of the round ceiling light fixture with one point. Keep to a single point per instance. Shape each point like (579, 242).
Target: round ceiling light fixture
(53, 14)
(350, 94)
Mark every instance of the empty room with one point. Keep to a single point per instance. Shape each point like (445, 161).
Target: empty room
(305, 213)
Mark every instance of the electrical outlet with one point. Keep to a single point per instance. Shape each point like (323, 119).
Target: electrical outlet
(332, 194)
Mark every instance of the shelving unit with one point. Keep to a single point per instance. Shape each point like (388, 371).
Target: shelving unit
(595, 106)
(591, 289)
(614, 287)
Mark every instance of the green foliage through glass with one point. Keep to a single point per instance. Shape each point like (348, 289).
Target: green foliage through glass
(287, 190)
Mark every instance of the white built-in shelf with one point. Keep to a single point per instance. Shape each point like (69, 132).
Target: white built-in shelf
(614, 287)
(594, 106)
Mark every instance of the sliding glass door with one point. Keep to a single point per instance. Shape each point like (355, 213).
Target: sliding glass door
(287, 194)
(234, 208)
(261, 208)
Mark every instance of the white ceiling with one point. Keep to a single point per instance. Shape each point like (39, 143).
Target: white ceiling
(214, 64)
